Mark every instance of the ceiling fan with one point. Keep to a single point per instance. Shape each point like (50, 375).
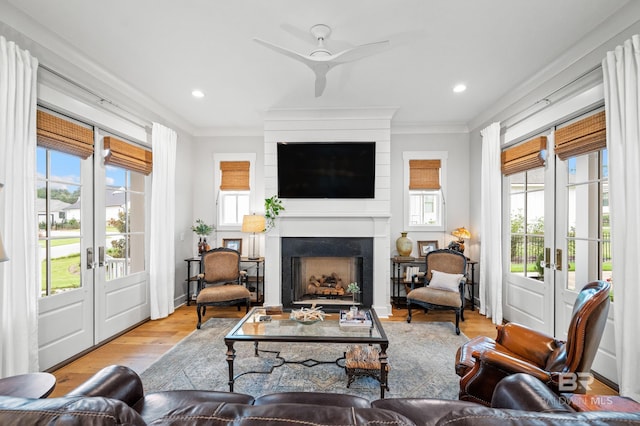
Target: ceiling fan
(322, 60)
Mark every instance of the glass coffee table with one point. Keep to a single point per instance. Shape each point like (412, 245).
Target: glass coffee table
(258, 327)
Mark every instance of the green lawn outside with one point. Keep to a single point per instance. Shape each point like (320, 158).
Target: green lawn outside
(65, 273)
(60, 242)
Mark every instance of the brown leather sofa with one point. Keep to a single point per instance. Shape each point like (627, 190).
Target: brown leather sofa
(114, 396)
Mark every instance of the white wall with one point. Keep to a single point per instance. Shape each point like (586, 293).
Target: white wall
(457, 199)
(203, 175)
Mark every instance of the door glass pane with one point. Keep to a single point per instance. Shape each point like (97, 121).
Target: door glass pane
(125, 217)
(588, 246)
(59, 209)
(527, 223)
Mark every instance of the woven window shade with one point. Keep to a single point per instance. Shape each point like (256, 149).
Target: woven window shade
(62, 135)
(523, 157)
(235, 175)
(128, 156)
(581, 137)
(424, 174)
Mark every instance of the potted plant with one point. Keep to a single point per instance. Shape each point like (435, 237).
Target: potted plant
(353, 288)
(202, 230)
(272, 208)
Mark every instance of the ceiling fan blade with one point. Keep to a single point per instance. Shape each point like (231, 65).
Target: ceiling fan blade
(321, 83)
(283, 50)
(359, 52)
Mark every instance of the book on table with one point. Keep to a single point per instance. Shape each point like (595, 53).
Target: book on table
(358, 319)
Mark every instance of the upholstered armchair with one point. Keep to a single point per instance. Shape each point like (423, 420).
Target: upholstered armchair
(444, 281)
(221, 281)
(482, 362)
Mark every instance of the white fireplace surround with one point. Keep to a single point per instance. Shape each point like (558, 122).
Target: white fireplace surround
(332, 218)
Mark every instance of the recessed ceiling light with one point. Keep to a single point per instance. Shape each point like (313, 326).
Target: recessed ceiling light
(458, 88)
(197, 94)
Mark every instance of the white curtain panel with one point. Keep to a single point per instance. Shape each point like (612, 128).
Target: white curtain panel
(162, 262)
(20, 276)
(621, 69)
(490, 287)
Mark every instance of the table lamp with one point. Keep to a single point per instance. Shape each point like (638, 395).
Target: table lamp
(3, 254)
(461, 234)
(253, 223)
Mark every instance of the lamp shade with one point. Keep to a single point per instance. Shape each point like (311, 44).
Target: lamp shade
(253, 223)
(461, 233)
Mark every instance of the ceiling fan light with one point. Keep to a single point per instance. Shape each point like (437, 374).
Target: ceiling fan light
(197, 94)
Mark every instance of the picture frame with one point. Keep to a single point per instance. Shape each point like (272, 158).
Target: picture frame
(425, 247)
(233, 243)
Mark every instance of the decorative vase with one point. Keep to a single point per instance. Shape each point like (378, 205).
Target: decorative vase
(200, 246)
(404, 245)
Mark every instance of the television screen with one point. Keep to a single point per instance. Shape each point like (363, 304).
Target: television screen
(326, 169)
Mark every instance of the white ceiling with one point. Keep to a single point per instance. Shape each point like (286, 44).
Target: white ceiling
(166, 48)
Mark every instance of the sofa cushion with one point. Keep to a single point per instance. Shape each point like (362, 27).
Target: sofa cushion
(316, 398)
(67, 411)
(159, 404)
(280, 414)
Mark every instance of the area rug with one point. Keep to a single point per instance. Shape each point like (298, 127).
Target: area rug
(421, 356)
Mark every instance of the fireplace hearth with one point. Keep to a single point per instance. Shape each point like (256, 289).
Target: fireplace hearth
(319, 269)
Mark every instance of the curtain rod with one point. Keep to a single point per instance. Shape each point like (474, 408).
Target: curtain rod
(102, 100)
(545, 99)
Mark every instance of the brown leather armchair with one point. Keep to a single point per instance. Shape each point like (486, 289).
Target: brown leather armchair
(482, 362)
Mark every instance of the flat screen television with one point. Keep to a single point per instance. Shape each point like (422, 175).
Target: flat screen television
(326, 169)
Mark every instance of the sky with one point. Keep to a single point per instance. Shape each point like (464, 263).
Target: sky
(65, 170)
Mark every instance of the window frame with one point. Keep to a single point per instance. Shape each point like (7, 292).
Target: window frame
(424, 155)
(217, 159)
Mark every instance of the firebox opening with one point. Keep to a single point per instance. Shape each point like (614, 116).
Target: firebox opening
(325, 279)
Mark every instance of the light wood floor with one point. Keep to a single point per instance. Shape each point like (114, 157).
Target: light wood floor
(142, 346)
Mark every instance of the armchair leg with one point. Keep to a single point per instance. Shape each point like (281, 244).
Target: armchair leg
(458, 321)
(409, 309)
(248, 304)
(199, 317)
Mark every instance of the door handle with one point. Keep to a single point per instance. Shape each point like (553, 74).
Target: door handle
(558, 259)
(90, 263)
(101, 256)
(547, 258)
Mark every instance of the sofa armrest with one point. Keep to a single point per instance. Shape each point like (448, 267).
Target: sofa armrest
(115, 381)
(526, 342)
(524, 392)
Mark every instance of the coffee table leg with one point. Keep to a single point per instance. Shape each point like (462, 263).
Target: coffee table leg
(231, 354)
(383, 369)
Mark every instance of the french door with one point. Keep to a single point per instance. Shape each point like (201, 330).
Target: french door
(583, 243)
(65, 235)
(558, 242)
(92, 236)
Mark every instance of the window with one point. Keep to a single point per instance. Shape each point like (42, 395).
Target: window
(125, 215)
(126, 168)
(233, 206)
(63, 146)
(234, 180)
(425, 183)
(527, 222)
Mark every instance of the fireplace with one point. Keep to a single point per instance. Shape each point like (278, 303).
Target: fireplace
(319, 269)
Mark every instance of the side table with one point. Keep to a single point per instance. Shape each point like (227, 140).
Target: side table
(471, 264)
(30, 385)
(191, 278)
